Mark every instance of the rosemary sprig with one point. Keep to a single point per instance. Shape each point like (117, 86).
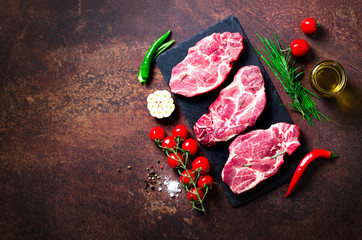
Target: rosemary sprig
(279, 62)
(241, 103)
(184, 76)
(278, 154)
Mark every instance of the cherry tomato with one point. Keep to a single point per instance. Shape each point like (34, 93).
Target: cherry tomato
(169, 142)
(174, 161)
(184, 177)
(309, 26)
(180, 131)
(201, 162)
(192, 195)
(299, 47)
(205, 180)
(190, 145)
(157, 133)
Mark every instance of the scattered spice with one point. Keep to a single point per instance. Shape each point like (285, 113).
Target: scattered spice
(151, 181)
(118, 170)
(129, 167)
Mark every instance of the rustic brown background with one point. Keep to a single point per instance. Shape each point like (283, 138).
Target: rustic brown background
(72, 113)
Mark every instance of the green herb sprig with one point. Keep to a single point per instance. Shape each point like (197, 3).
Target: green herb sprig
(279, 62)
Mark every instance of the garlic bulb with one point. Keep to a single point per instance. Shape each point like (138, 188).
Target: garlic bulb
(160, 104)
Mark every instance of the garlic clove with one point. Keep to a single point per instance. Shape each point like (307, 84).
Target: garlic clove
(158, 95)
(167, 112)
(153, 113)
(159, 113)
(152, 106)
(151, 98)
(164, 94)
(167, 101)
(170, 107)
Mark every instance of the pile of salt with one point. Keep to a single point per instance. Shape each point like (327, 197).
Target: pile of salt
(173, 187)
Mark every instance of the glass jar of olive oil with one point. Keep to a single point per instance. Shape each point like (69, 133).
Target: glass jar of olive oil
(328, 78)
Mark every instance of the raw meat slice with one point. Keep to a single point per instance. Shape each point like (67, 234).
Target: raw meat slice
(207, 64)
(250, 160)
(237, 107)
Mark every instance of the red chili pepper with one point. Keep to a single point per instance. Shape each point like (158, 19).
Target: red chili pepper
(310, 157)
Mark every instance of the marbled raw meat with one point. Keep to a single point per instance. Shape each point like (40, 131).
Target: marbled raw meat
(237, 107)
(250, 160)
(207, 64)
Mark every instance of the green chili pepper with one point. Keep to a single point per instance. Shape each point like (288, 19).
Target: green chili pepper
(163, 48)
(156, 49)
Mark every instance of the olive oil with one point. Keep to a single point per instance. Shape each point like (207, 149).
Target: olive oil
(328, 78)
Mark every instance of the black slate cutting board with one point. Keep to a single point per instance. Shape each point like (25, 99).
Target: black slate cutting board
(194, 107)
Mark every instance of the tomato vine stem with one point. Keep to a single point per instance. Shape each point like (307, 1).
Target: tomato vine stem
(183, 166)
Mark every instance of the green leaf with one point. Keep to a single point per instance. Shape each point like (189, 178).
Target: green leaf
(163, 48)
(278, 154)
(241, 103)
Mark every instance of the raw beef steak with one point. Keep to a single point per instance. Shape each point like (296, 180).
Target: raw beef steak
(237, 107)
(207, 64)
(250, 160)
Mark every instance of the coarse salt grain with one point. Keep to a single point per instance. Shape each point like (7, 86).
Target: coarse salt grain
(173, 186)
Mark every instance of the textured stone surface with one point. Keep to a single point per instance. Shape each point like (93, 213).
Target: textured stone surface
(72, 113)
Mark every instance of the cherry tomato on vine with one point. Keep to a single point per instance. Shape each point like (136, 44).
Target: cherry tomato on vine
(190, 145)
(185, 179)
(169, 142)
(174, 161)
(202, 163)
(299, 47)
(309, 26)
(205, 180)
(180, 131)
(157, 133)
(192, 195)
